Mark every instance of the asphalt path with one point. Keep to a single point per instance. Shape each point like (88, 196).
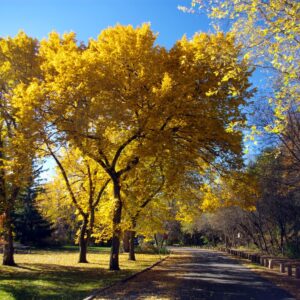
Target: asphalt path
(197, 274)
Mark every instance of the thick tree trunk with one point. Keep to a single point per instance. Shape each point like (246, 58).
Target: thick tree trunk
(114, 253)
(126, 241)
(131, 245)
(8, 250)
(115, 245)
(83, 242)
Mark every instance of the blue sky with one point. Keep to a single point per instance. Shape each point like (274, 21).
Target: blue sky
(88, 17)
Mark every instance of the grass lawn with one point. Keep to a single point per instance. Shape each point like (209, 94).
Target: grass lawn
(56, 274)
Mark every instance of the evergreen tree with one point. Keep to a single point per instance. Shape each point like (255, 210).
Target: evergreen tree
(30, 227)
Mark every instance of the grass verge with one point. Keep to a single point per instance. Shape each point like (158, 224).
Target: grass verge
(57, 275)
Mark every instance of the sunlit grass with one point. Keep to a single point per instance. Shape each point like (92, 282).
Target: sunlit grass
(57, 275)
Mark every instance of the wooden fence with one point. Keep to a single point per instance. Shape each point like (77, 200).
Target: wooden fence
(289, 266)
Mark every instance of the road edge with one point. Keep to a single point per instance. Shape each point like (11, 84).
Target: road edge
(98, 291)
(270, 275)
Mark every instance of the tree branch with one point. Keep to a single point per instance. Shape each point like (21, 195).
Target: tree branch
(65, 176)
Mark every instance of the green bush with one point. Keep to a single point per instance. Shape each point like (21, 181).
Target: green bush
(149, 248)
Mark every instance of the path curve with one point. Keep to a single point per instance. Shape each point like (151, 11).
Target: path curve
(197, 274)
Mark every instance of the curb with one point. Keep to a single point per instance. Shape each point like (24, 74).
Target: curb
(96, 292)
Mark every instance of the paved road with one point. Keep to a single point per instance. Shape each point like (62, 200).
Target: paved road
(198, 274)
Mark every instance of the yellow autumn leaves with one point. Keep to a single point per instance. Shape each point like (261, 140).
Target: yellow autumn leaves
(133, 110)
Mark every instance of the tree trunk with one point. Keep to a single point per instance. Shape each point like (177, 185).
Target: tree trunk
(115, 245)
(162, 242)
(126, 241)
(281, 242)
(83, 242)
(156, 240)
(131, 245)
(8, 249)
(265, 241)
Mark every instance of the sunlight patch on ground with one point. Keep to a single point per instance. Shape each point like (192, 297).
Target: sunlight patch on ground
(57, 275)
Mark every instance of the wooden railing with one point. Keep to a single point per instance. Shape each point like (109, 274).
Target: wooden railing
(289, 266)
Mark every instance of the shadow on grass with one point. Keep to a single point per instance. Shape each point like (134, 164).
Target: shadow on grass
(71, 248)
(24, 267)
(44, 281)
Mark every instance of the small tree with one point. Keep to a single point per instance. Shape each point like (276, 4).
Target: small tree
(30, 227)
(82, 185)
